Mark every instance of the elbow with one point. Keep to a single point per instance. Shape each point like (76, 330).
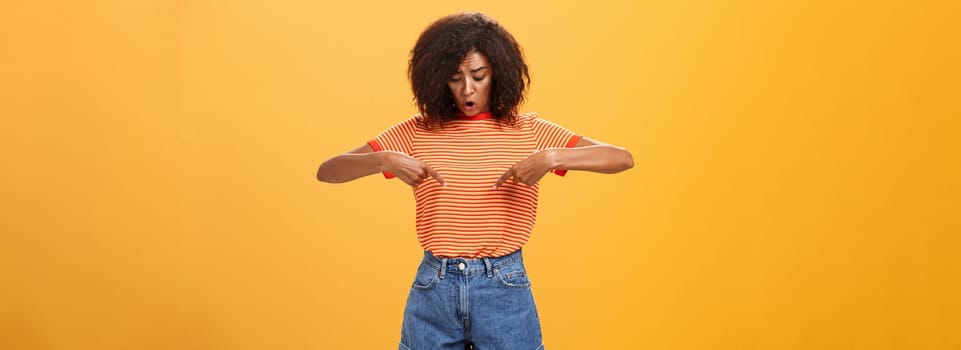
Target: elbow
(320, 174)
(626, 160)
(323, 174)
(617, 160)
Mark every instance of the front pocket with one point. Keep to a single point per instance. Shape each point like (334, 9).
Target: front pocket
(513, 276)
(426, 278)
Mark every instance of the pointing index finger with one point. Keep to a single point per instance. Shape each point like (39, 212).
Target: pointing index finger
(435, 175)
(507, 175)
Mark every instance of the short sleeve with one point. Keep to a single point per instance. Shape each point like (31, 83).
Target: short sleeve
(397, 138)
(550, 135)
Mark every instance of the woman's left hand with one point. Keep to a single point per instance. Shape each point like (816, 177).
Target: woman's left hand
(530, 170)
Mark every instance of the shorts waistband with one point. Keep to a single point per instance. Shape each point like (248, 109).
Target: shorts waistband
(470, 266)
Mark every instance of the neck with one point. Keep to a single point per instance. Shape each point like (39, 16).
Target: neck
(478, 116)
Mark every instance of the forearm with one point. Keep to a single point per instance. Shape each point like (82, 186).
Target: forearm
(605, 159)
(350, 166)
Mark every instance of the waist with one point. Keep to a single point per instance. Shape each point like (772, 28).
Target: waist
(471, 265)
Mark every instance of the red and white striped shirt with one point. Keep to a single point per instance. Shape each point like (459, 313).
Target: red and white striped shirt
(468, 217)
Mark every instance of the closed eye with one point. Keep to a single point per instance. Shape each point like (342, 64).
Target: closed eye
(479, 78)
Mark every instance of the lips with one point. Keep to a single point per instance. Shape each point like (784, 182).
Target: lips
(469, 104)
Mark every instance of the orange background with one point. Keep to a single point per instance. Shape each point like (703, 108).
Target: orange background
(796, 182)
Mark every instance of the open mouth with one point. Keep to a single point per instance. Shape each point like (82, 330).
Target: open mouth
(469, 104)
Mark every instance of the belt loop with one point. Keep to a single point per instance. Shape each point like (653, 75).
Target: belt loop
(443, 268)
(487, 264)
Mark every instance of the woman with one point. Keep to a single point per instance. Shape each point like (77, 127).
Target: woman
(474, 164)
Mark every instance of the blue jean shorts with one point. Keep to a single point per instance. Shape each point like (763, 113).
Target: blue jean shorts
(457, 303)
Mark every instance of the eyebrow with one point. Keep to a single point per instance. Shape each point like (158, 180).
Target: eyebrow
(475, 70)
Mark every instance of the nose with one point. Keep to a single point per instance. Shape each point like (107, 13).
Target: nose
(468, 87)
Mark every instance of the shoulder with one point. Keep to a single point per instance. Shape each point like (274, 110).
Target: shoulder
(531, 117)
(527, 116)
(533, 120)
(526, 120)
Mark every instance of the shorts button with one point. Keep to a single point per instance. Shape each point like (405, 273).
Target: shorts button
(462, 266)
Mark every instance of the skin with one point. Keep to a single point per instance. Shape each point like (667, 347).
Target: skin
(471, 83)
(587, 155)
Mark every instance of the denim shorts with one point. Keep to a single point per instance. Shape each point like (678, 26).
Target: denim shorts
(456, 302)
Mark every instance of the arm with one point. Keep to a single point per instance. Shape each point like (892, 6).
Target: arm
(357, 163)
(587, 154)
(363, 161)
(590, 155)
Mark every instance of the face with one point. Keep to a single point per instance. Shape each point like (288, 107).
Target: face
(471, 84)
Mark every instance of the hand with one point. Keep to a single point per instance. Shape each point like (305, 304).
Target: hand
(408, 169)
(530, 170)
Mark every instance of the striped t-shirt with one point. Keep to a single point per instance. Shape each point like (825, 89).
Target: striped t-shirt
(467, 217)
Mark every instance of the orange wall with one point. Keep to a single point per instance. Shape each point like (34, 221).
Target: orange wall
(796, 182)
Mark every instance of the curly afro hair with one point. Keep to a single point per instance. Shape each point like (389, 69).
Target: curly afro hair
(442, 47)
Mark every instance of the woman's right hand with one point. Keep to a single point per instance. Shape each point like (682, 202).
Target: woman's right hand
(408, 169)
